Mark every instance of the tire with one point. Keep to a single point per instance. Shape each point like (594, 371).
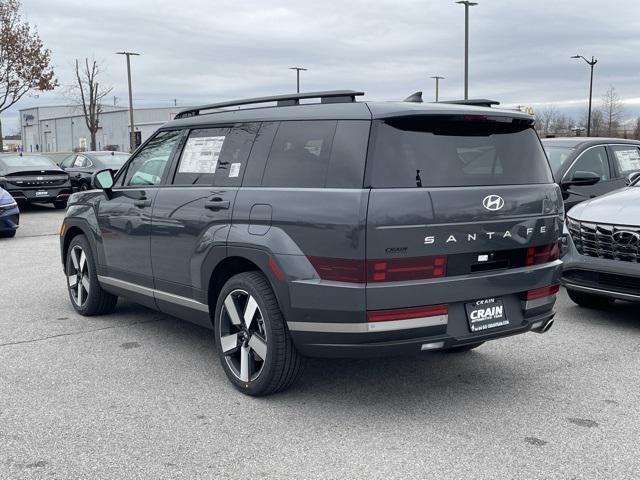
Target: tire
(86, 295)
(588, 300)
(8, 234)
(83, 187)
(462, 348)
(59, 205)
(259, 358)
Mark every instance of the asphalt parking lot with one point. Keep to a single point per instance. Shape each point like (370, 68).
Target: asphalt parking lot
(138, 394)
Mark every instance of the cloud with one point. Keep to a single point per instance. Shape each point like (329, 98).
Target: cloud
(205, 51)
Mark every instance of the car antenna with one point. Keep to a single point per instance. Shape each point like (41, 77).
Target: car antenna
(414, 98)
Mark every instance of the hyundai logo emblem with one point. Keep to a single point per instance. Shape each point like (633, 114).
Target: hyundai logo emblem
(626, 238)
(493, 202)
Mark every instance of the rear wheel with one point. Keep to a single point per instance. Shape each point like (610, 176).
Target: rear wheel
(60, 204)
(589, 300)
(254, 345)
(8, 234)
(462, 348)
(87, 296)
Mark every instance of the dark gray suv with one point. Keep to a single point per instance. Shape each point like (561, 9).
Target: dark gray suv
(339, 228)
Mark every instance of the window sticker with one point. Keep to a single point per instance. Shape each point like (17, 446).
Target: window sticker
(629, 160)
(234, 170)
(201, 155)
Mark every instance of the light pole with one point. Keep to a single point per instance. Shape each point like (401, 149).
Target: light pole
(132, 134)
(437, 78)
(591, 64)
(466, 4)
(297, 69)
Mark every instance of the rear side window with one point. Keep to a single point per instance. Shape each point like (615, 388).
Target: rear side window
(300, 154)
(447, 151)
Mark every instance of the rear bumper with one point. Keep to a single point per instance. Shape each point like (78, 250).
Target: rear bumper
(329, 319)
(34, 195)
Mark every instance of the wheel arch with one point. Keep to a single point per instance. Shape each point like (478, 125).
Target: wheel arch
(72, 230)
(239, 260)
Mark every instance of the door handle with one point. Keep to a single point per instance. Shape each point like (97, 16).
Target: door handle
(216, 203)
(142, 203)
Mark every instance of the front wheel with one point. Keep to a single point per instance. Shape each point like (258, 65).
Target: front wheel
(8, 234)
(589, 300)
(254, 345)
(87, 296)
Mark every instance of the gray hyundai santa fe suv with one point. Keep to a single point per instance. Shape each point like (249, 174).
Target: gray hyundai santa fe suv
(338, 228)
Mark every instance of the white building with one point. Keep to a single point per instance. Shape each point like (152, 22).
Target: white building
(63, 129)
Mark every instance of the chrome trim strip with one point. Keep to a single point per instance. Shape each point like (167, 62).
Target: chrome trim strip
(539, 302)
(114, 282)
(601, 291)
(157, 294)
(370, 326)
(566, 172)
(183, 301)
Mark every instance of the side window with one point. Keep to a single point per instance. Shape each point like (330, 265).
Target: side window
(200, 157)
(215, 156)
(81, 162)
(592, 160)
(235, 151)
(626, 159)
(68, 162)
(300, 154)
(149, 164)
(349, 154)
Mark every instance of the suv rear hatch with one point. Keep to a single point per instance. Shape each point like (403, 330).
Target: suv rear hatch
(455, 195)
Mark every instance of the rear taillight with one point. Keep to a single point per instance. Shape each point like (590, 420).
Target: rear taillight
(339, 269)
(541, 292)
(403, 269)
(542, 254)
(387, 270)
(406, 313)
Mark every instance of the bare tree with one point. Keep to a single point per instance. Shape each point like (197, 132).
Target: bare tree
(636, 130)
(563, 124)
(612, 110)
(545, 118)
(597, 121)
(89, 94)
(25, 64)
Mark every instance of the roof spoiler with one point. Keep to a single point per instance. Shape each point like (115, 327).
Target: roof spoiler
(475, 102)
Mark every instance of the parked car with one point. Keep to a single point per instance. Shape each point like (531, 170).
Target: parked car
(338, 229)
(602, 263)
(34, 179)
(82, 166)
(9, 214)
(586, 167)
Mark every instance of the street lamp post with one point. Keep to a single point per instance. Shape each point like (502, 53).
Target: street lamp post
(437, 79)
(466, 4)
(132, 134)
(297, 69)
(591, 64)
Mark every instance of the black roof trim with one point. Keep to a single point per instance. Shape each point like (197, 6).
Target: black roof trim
(331, 96)
(475, 102)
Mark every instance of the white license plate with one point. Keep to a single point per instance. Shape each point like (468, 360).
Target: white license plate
(42, 193)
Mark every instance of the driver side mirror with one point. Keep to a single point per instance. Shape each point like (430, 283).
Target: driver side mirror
(582, 179)
(632, 178)
(103, 180)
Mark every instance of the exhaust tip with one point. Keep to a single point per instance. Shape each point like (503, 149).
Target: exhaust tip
(547, 326)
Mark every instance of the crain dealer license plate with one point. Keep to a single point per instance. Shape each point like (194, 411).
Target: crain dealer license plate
(486, 314)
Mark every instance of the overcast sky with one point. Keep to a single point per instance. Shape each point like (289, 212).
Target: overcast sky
(205, 51)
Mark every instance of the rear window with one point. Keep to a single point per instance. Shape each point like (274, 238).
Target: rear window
(26, 161)
(447, 151)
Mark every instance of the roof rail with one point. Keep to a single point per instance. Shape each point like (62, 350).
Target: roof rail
(331, 96)
(475, 102)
